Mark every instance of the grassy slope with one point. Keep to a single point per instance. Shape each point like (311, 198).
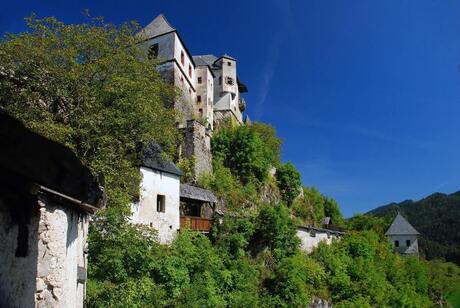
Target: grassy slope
(454, 298)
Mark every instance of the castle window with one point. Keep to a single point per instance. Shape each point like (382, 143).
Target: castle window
(199, 79)
(198, 99)
(181, 78)
(190, 70)
(407, 243)
(396, 243)
(182, 58)
(153, 51)
(220, 80)
(229, 81)
(229, 63)
(201, 112)
(161, 206)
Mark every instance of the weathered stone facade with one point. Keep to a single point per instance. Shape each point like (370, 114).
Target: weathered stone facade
(43, 229)
(197, 145)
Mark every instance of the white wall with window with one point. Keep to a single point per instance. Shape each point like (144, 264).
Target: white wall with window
(158, 205)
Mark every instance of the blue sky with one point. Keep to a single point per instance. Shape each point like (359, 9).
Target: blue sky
(365, 94)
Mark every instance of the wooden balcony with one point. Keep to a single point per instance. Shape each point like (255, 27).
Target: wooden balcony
(195, 223)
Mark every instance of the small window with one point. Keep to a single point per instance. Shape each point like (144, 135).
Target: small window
(198, 99)
(153, 51)
(408, 243)
(201, 112)
(190, 71)
(161, 203)
(229, 63)
(182, 58)
(199, 80)
(229, 80)
(396, 243)
(181, 78)
(220, 80)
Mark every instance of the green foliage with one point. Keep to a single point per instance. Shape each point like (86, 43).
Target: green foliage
(243, 151)
(289, 182)
(187, 166)
(89, 87)
(267, 134)
(276, 230)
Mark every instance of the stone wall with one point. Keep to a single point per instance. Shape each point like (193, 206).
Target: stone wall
(198, 145)
(47, 273)
(311, 237)
(155, 182)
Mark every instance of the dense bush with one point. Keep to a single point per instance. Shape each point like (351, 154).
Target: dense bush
(289, 182)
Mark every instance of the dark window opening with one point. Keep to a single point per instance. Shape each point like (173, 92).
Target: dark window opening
(201, 112)
(229, 63)
(229, 80)
(220, 80)
(190, 71)
(407, 243)
(198, 99)
(199, 79)
(153, 51)
(161, 207)
(182, 58)
(396, 243)
(22, 241)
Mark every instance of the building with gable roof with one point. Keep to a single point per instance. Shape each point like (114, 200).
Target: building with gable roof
(403, 236)
(210, 90)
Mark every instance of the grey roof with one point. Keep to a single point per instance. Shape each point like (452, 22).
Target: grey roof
(400, 226)
(54, 167)
(153, 158)
(156, 27)
(205, 60)
(197, 193)
(321, 230)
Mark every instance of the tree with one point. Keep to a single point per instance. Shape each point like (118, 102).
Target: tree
(267, 134)
(89, 87)
(289, 182)
(242, 150)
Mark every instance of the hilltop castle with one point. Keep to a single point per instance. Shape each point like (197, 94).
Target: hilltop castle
(210, 90)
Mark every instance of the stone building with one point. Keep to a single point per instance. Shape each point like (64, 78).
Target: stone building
(209, 86)
(403, 236)
(311, 237)
(46, 198)
(167, 205)
(158, 205)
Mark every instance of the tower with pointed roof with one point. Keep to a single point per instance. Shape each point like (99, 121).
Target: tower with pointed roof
(403, 236)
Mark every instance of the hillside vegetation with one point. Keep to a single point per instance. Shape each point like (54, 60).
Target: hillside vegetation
(437, 218)
(87, 87)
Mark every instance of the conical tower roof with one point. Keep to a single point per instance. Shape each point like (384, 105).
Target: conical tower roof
(400, 226)
(156, 27)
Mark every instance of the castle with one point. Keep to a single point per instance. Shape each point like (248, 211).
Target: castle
(210, 90)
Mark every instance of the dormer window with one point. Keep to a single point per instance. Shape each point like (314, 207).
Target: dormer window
(153, 51)
(229, 80)
(182, 58)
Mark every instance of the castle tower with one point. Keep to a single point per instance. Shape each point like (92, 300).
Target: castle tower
(403, 236)
(161, 41)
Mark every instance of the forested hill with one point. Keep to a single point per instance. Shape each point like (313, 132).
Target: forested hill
(437, 218)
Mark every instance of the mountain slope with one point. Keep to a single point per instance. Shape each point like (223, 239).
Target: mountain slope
(437, 218)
